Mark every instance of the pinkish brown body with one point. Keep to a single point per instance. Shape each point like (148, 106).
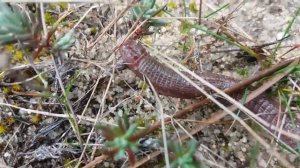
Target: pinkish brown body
(169, 83)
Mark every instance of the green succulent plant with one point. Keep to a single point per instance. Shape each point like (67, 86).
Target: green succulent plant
(65, 41)
(146, 10)
(15, 25)
(184, 155)
(122, 139)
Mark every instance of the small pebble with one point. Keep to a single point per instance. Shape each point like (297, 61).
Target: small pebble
(262, 163)
(148, 107)
(106, 164)
(241, 156)
(244, 139)
(6, 154)
(280, 35)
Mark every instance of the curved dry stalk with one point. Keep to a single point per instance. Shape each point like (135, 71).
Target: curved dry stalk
(49, 114)
(26, 80)
(72, 117)
(146, 159)
(163, 127)
(96, 161)
(26, 66)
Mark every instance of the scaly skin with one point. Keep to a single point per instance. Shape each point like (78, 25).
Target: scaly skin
(169, 83)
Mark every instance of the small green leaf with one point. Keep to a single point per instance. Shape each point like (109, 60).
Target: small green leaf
(184, 155)
(157, 23)
(146, 10)
(120, 137)
(147, 4)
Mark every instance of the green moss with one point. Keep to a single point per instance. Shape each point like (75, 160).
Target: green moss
(18, 56)
(186, 45)
(3, 129)
(143, 85)
(10, 48)
(6, 90)
(50, 20)
(193, 7)
(63, 5)
(16, 88)
(185, 27)
(226, 148)
(172, 5)
(140, 121)
(11, 120)
(36, 118)
(243, 72)
(94, 30)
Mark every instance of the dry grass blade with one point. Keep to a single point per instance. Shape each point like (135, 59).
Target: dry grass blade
(72, 117)
(163, 127)
(49, 114)
(96, 161)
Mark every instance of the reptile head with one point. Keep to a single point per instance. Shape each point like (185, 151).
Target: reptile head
(131, 53)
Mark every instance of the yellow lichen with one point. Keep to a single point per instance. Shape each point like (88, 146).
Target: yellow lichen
(2, 75)
(10, 48)
(18, 56)
(36, 118)
(148, 40)
(172, 5)
(11, 120)
(16, 88)
(5, 90)
(193, 7)
(63, 5)
(2, 129)
(50, 20)
(143, 85)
